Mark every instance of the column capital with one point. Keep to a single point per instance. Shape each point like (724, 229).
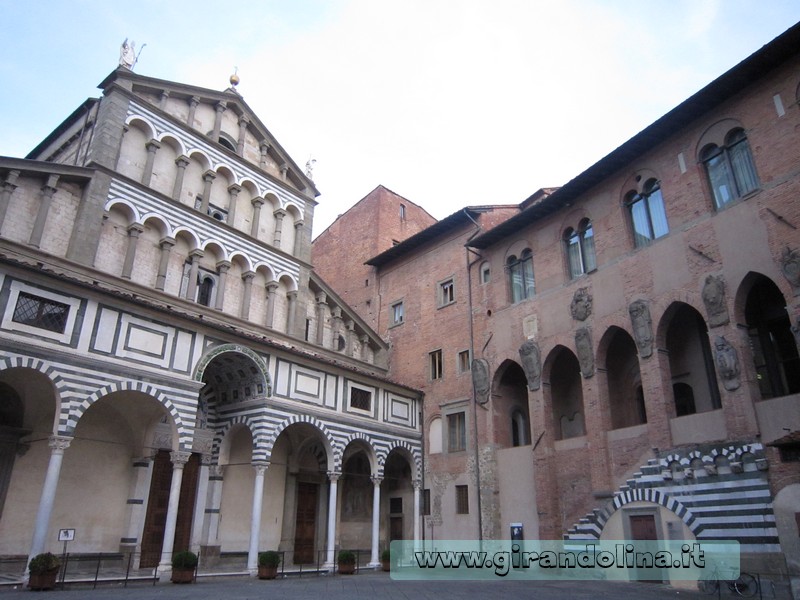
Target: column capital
(376, 480)
(337, 312)
(279, 213)
(194, 101)
(258, 201)
(182, 161)
(221, 106)
(298, 224)
(334, 476)
(260, 466)
(167, 242)
(49, 188)
(291, 295)
(224, 266)
(152, 145)
(234, 188)
(209, 175)
(179, 459)
(196, 253)
(350, 325)
(363, 338)
(322, 298)
(248, 276)
(11, 179)
(264, 146)
(271, 286)
(417, 483)
(134, 229)
(59, 443)
(244, 120)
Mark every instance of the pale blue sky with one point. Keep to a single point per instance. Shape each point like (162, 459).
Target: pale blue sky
(446, 102)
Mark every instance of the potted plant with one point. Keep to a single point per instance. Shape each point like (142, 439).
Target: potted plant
(347, 562)
(184, 565)
(386, 557)
(43, 570)
(268, 564)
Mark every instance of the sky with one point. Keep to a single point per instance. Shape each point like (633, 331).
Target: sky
(448, 103)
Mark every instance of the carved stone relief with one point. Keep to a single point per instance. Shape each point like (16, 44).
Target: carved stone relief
(642, 327)
(727, 360)
(480, 380)
(790, 265)
(532, 364)
(714, 300)
(581, 306)
(583, 344)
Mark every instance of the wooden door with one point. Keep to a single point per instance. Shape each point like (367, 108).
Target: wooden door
(158, 503)
(395, 528)
(643, 527)
(305, 523)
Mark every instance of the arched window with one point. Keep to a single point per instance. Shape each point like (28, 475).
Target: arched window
(580, 249)
(205, 291)
(684, 399)
(730, 169)
(646, 209)
(520, 276)
(520, 432)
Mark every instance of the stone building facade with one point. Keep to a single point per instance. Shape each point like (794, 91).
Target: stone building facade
(632, 337)
(173, 373)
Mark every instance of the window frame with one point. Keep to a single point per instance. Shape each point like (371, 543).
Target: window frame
(436, 365)
(464, 368)
(8, 323)
(729, 172)
(456, 431)
(586, 252)
(650, 194)
(446, 292)
(393, 313)
(522, 269)
(462, 499)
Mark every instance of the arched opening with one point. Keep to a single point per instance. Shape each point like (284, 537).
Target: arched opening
(510, 406)
(567, 395)
(397, 496)
(774, 350)
(625, 395)
(357, 495)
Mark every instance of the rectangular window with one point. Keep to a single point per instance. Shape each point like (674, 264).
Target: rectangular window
(396, 506)
(462, 500)
(41, 313)
(396, 314)
(402, 212)
(464, 361)
(457, 432)
(447, 292)
(360, 399)
(425, 509)
(435, 359)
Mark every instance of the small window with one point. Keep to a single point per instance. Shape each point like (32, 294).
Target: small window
(520, 275)
(205, 289)
(402, 212)
(41, 313)
(396, 314)
(580, 249)
(396, 506)
(464, 362)
(462, 500)
(457, 432)
(486, 273)
(435, 359)
(425, 505)
(360, 399)
(790, 453)
(730, 169)
(447, 292)
(648, 219)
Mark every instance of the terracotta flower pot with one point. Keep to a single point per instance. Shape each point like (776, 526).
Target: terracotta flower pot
(265, 572)
(182, 576)
(347, 569)
(45, 580)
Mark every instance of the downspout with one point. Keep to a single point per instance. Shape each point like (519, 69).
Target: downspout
(472, 357)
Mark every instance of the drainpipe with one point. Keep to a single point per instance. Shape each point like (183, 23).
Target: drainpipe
(472, 357)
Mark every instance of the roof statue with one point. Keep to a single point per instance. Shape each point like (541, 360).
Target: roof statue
(127, 54)
(310, 168)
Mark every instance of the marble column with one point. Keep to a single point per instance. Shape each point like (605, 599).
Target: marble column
(291, 312)
(134, 230)
(9, 185)
(264, 149)
(255, 516)
(208, 179)
(48, 190)
(211, 525)
(243, 123)
(364, 339)
(219, 109)
(58, 444)
(417, 486)
(272, 287)
(152, 147)
(279, 215)
(257, 203)
(140, 485)
(198, 519)
(223, 267)
(164, 97)
(179, 460)
(191, 289)
(181, 162)
(322, 299)
(350, 337)
(376, 520)
(233, 196)
(247, 277)
(193, 103)
(298, 237)
(166, 245)
(333, 476)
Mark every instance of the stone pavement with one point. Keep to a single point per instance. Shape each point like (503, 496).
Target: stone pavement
(365, 586)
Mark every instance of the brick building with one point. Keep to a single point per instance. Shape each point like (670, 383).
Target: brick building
(632, 336)
(173, 374)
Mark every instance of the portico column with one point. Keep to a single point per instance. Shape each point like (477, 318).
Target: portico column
(233, 195)
(255, 517)
(333, 476)
(208, 179)
(44, 209)
(191, 289)
(376, 520)
(211, 527)
(223, 267)
(166, 245)
(134, 229)
(272, 287)
(417, 486)
(279, 214)
(350, 338)
(58, 444)
(291, 299)
(198, 519)
(364, 339)
(179, 460)
(181, 162)
(257, 203)
(152, 147)
(136, 499)
(9, 185)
